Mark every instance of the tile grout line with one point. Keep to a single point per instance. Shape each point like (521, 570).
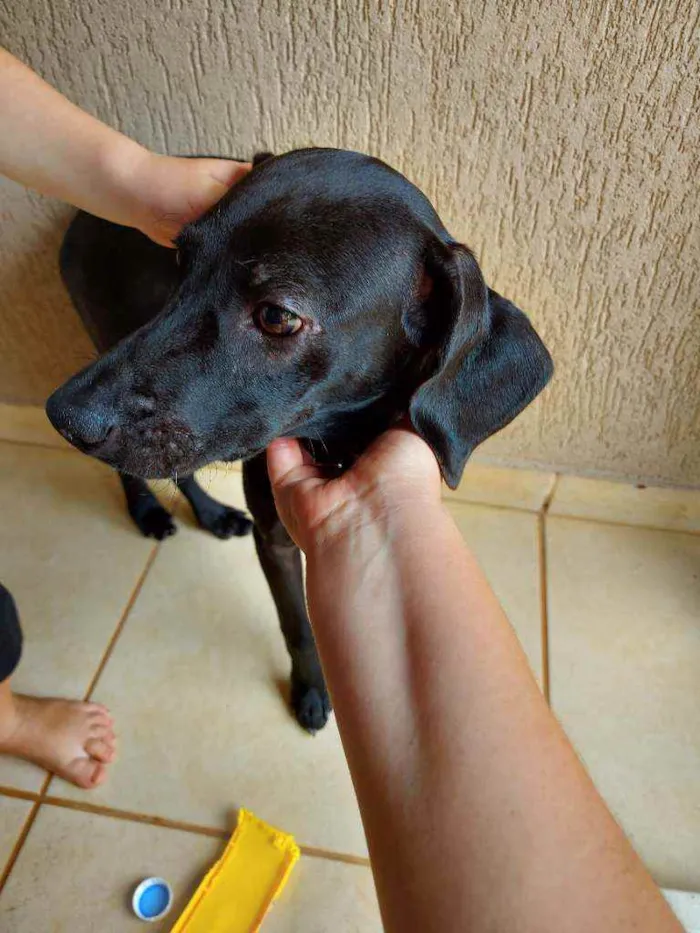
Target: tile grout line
(497, 506)
(544, 602)
(547, 501)
(19, 843)
(549, 495)
(19, 794)
(610, 523)
(129, 816)
(330, 856)
(160, 822)
(126, 612)
(464, 501)
(28, 823)
(111, 645)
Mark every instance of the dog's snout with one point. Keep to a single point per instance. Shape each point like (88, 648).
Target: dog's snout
(85, 426)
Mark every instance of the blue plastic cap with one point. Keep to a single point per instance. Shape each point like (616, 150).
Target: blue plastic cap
(152, 899)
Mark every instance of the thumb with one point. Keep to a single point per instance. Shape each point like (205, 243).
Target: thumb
(296, 481)
(288, 463)
(224, 171)
(292, 473)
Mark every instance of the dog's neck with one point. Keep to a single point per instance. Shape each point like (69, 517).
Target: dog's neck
(345, 434)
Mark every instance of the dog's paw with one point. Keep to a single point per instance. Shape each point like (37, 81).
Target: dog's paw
(155, 522)
(311, 705)
(226, 523)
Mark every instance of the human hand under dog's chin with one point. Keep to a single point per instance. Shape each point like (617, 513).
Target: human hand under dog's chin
(397, 472)
(169, 191)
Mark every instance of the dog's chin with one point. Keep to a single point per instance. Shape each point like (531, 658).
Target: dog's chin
(151, 464)
(148, 465)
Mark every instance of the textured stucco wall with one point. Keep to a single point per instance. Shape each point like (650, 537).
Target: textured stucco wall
(559, 140)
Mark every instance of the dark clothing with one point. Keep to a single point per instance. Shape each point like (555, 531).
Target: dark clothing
(10, 635)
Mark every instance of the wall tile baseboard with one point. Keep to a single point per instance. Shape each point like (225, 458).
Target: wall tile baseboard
(503, 487)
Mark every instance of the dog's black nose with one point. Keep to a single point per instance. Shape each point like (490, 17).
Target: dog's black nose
(84, 426)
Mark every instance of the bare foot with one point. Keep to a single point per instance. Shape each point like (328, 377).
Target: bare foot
(72, 739)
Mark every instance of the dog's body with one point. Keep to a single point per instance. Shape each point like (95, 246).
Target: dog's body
(322, 298)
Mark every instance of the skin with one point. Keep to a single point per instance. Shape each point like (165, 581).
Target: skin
(50, 145)
(203, 378)
(72, 739)
(96, 168)
(463, 786)
(392, 315)
(375, 311)
(321, 298)
(478, 814)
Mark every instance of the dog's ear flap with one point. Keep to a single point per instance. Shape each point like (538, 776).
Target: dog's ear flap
(490, 365)
(262, 157)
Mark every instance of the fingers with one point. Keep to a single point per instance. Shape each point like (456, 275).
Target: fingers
(176, 190)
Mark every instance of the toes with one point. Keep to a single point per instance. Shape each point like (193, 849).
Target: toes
(234, 525)
(228, 523)
(99, 730)
(101, 750)
(244, 526)
(156, 523)
(85, 772)
(100, 715)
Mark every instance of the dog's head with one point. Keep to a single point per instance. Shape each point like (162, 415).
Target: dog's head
(322, 284)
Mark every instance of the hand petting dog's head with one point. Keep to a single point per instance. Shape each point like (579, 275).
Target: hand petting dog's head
(323, 286)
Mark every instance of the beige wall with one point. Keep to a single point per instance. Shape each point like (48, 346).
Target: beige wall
(559, 140)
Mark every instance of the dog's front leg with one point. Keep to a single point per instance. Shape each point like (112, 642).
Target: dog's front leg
(152, 520)
(281, 562)
(221, 520)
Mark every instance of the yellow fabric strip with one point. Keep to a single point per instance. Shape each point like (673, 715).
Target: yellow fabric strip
(237, 892)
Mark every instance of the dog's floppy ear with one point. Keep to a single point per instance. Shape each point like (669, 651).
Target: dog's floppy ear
(490, 362)
(262, 157)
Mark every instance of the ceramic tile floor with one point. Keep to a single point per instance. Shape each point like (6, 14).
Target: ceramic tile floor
(181, 641)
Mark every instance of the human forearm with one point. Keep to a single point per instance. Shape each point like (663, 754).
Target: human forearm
(49, 144)
(439, 716)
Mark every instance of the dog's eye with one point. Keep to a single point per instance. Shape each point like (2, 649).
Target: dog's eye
(278, 321)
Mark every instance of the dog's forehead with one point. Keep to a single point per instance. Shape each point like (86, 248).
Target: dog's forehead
(334, 175)
(312, 194)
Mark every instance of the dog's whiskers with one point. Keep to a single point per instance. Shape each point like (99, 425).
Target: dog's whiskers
(323, 444)
(210, 476)
(167, 491)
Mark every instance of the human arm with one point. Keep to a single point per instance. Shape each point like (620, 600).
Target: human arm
(54, 147)
(478, 814)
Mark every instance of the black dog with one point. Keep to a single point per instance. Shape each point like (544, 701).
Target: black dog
(322, 298)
